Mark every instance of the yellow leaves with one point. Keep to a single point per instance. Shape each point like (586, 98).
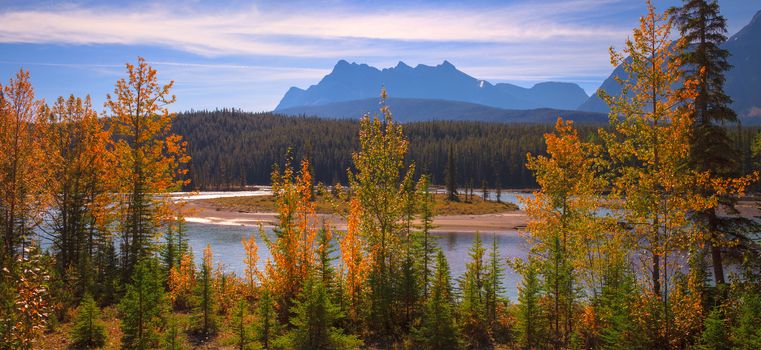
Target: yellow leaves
(251, 259)
(181, 282)
(146, 155)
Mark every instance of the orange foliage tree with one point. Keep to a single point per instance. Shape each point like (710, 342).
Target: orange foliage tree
(78, 160)
(293, 250)
(355, 263)
(23, 173)
(148, 157)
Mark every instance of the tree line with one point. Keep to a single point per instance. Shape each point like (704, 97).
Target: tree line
(232, 148)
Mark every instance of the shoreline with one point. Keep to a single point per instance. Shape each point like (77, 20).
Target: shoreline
(505, 222)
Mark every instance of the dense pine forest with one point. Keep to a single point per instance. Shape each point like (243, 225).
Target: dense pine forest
(232, 148)
(671, 264)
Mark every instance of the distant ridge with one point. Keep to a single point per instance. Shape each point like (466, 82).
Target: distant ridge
(743, 81)
(352, 81)
(414, 110)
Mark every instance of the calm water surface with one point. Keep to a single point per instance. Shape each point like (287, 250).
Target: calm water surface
(225, 242)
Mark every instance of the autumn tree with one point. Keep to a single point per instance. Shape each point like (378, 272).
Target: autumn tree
(356, 265)
(293, 249)
(23, 195)
(649, 147)
(182, 282)
(251, 273)
(567, 239)
(148, 157)
(78, 161)
(378, 183)
(26, 301)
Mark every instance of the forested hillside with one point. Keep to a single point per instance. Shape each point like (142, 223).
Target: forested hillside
(230, 148)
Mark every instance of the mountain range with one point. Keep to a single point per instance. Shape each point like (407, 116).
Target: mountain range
(444, 92)
(352, 81)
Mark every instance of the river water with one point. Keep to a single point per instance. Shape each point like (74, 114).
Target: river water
(225, 242)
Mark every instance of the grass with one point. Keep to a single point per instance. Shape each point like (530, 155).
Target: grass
(327, 204)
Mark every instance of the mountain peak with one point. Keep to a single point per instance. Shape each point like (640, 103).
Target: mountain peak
(447, 64)
(341, 64)
(402, 65)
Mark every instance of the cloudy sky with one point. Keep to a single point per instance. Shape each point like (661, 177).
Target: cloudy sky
(246, 54)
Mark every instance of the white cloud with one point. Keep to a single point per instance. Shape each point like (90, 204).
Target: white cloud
(311, 32)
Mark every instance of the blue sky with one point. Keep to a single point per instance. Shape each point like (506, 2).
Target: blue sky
(246, 54)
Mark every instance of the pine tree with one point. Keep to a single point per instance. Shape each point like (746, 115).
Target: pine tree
(173, 334)
(206, 304)
(325, 257)
(451, 176)
(615, 308)
(703, 60)
(241, 326)
(493, 286)
(715, 336)
(530, 321)
(746, 334)
(438, 329)
(88, 331)
(426, 242)
(142, 307)
(266, 325)
(473, 312)
(313, 321)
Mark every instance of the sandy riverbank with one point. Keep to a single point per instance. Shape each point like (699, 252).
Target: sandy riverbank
(200, 212)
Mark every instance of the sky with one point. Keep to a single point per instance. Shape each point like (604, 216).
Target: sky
(246, 54)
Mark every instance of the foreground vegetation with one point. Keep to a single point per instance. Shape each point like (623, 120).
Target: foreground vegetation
(655, 273)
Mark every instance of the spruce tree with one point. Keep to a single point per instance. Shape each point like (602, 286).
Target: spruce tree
(451, 176)
(266, 325)
(473, 321)
(142, 307)
(240, 325)
(313, 322)
(88, 331)
(703, 30)
(438, 329)
(530, 321)
(493, 285)
(715, 336)
(205, 318)
(426, 242)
